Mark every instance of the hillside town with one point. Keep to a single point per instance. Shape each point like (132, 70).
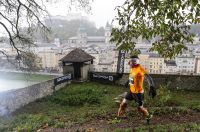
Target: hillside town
(99, 65)
(105, 53)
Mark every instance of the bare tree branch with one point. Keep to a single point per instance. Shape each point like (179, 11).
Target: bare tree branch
(10, 38)
(14, 13)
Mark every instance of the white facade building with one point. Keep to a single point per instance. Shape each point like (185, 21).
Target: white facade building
(186, 63)
(170, 67)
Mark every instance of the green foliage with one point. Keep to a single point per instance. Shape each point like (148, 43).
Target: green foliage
(184, 98)
(169, 110)
(115, 121)
(78, 96)
(170, 128)
(26, 122)
(166, 21)
(123, 130)
(163, 96)
(59, 125)
(196, 107)
(4, 124)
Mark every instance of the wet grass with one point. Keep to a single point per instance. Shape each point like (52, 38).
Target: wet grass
(83, 102)
(172, 127)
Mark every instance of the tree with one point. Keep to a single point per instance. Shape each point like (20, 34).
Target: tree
(166, 21)
(15, 14)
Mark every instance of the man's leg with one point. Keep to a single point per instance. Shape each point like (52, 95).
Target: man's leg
(143, 111)
(139, 99)
(122, 108)
(123, 105)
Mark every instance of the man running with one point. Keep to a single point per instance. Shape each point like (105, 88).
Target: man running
(136, 92)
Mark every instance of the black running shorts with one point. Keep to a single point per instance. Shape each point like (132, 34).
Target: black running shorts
(138, 97)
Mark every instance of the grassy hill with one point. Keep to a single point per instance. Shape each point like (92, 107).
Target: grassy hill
(90, 107)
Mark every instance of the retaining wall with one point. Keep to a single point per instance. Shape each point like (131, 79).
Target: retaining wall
(14, 99)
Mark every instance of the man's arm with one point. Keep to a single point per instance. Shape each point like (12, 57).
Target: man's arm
(149, 80)
(152, 91)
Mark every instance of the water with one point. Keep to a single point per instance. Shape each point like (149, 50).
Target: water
(14, 84)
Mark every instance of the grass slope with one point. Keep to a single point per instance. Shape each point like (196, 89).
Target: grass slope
(85, 105)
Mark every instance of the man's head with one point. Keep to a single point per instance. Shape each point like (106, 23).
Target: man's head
(134, 60)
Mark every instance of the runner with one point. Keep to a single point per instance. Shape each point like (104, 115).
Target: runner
(136, 92)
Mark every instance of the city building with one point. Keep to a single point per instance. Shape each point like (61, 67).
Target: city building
(186, 63)
(170, 67)
(156, 64)
(106, 54)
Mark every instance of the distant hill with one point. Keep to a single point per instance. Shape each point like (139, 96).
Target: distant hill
(65, 29)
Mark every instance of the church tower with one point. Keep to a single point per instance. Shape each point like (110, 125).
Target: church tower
(82, 35)
(107, 33)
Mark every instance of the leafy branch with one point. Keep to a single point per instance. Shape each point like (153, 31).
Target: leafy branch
(167, 22)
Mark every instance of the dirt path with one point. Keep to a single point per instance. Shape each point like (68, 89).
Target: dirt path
(107, 123)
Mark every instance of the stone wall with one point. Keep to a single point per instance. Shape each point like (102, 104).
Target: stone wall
(14, 99)
(186, 82)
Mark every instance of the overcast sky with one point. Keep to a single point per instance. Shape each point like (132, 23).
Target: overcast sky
(102, 10)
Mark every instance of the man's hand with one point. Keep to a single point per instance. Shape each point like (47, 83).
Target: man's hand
(127, 84)
(152, 92)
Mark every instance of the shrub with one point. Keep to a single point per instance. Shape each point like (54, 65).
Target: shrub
(163, 96)
(78, 96)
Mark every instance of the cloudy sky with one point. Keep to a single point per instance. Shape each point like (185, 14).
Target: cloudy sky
(102, 10)
(101, 13)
